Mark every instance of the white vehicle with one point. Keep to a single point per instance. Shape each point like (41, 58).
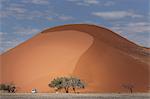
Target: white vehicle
(34, 90)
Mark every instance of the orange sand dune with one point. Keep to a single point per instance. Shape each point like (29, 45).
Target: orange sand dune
(100, 57)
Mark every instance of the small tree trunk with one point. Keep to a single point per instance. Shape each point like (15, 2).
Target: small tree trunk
(66, 89)
(74, 90)
(131, 90)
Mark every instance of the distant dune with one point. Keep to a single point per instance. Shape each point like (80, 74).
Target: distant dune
(100, 57)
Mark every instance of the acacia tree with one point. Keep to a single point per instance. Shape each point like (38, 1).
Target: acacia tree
(56, 83)
(76, 83)
(129, 87)
(60, 83)
(66, 83)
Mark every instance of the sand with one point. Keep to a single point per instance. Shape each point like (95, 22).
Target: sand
(100, 57)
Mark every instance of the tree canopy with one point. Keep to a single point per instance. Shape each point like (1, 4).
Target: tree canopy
(66, 83)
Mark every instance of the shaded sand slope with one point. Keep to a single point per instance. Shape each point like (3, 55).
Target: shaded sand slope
(107, 69)
(109, 37)
(97, 55)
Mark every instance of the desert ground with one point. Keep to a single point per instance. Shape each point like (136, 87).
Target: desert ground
(74, 96)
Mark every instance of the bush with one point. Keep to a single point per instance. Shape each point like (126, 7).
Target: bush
(8, 87)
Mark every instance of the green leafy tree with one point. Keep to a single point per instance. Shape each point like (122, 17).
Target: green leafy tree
(56, 83)
(60, 83)
(66, 83)
(76, 83)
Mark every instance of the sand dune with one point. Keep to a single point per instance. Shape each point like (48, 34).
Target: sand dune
(100, 57)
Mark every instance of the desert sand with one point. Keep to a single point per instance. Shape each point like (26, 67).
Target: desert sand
(99, 56)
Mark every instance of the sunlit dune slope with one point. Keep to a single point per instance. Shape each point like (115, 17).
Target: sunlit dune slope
(100, 57)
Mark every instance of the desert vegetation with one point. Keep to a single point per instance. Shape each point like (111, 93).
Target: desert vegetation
(128, 87)
(10, 88)
(66, 83)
